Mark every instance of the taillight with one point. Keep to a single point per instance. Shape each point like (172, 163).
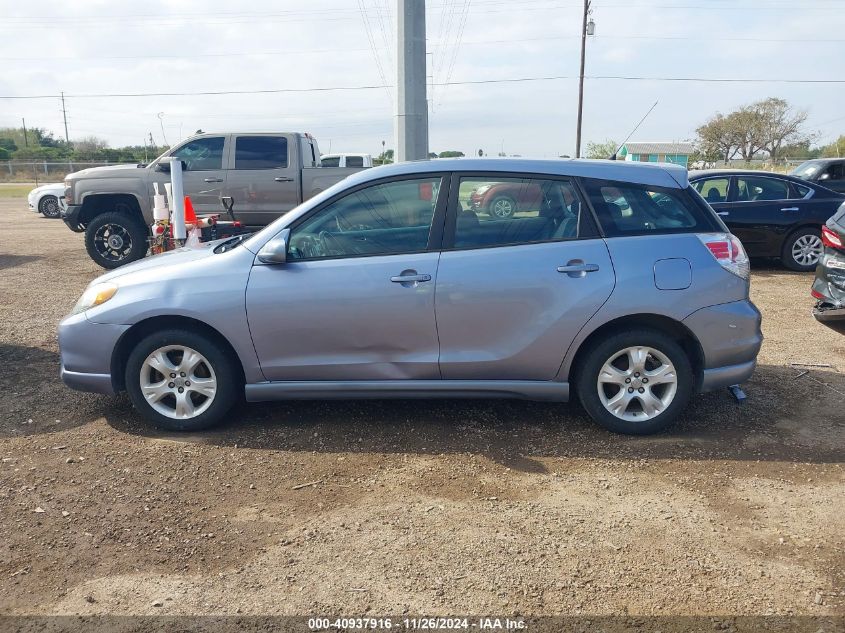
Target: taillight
(816, 294)
(728, 251)
(831, 238)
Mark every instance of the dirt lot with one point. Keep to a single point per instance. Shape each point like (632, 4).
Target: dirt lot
(418, 507)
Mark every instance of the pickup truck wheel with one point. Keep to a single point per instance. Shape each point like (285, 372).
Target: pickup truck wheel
(181, 380)
(49, 206)
(635, 382)
(113, 239)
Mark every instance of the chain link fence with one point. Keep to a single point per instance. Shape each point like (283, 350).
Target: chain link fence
(41, 172)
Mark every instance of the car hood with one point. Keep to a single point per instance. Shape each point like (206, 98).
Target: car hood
(107, 171)
(160, 265)
(54, 186)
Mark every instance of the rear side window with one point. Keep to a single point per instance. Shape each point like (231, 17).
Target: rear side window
(756, 189)
(354, 161)
(333, 161)
(633, 209)
(261, 152)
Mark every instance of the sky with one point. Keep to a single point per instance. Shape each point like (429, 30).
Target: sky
(91, 48)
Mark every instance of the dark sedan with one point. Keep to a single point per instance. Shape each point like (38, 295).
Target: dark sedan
(772, 214)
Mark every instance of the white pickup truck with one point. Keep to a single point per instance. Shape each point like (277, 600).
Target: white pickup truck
(265, 174)
(346, 160)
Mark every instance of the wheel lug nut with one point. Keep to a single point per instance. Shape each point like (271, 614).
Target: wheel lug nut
(187, 383)
(627, 380)
(636, 374)
(181, 389)
(182, 374)
(645, 380)
(630, 390)
(173, 375)
(641, 390)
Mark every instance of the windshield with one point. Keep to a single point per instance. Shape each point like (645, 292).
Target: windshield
(806, 170)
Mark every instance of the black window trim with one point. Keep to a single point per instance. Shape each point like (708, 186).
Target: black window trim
(586, 221)
(435, 232)
(235, 138)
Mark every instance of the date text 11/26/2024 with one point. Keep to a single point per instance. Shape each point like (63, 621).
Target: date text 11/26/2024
(416, 624)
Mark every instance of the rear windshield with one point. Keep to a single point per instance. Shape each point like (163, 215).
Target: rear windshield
(633, 209)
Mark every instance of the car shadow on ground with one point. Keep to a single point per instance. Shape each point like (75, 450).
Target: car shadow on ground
(11, 261)
(789, 416)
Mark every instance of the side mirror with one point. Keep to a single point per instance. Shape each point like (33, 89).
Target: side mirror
(165, 166)
(276, 250)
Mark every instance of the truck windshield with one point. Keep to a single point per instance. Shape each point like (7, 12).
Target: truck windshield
(806, 170)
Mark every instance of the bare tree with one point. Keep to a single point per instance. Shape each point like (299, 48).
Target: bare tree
(780, 125)
(601, 150)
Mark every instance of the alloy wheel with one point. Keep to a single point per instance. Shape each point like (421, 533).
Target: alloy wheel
(113, 242)
(178, 382)
(637, 384)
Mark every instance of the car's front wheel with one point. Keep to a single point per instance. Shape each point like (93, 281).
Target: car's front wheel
(502, 207)
(802, 250)
(49, 207)
(181, 380)
(635, 382)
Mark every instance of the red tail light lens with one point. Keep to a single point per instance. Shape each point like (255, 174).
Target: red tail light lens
(830, 238)
(817, 295)
(728, 251)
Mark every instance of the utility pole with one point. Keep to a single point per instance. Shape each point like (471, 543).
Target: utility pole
(64, 115)
(25, 139)
(581, 78)
(411, 127)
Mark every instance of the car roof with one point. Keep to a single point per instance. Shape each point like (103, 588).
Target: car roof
(711, 173)
(656, 174)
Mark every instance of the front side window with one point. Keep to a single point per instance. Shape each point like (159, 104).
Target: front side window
(713, 189)
(261, 152)
(383, 219)
(508, 211)
(835, 172)
(635, 209)
(757, 189)
(203, 154)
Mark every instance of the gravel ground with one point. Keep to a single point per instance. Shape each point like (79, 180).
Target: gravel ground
(437, 507)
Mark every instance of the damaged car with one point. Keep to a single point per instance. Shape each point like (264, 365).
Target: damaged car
(829, 284)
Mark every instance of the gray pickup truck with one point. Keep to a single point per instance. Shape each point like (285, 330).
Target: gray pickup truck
(265, 174)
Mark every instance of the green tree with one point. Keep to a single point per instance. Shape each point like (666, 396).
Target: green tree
(451, 153)
(601, 150)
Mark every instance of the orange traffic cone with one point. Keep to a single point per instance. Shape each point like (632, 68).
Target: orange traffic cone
(190, 216)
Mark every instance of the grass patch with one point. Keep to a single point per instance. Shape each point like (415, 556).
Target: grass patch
(15, 190)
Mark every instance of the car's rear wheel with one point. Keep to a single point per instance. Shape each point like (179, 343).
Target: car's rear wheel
(635, 382)
(116, 238)
(803, 249)
(49, 207)
(502, 207)
(181, 380)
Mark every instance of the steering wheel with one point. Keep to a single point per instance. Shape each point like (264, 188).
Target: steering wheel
(326, 239)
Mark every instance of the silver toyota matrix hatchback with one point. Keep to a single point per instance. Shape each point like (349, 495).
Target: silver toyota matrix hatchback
(609, 281)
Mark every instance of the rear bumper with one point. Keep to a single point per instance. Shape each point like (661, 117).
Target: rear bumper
(70, 216)
(730, 338)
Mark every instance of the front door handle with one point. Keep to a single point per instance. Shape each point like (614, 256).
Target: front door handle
(722, 213)
(790, 209)
(409, 278)
(283, 179)
(213, 179)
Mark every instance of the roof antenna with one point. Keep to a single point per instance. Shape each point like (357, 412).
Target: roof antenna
(613, 156)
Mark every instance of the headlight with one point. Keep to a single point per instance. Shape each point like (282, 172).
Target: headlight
(94, 296)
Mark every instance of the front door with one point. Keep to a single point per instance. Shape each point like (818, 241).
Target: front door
(203, 174)
(512, 293)
(263, 179)
(355, 300)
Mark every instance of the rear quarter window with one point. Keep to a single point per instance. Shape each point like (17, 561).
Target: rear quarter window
(634, 209)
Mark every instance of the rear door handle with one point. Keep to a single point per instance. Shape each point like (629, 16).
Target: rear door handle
(578, 268)
(790, 209)
(404, 279)
(213, 179)
(722, 213)
(283, 179)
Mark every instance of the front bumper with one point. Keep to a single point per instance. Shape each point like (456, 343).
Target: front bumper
(86, 353)
(730, 338)
(70, 215)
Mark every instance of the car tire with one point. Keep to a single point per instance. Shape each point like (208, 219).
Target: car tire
(637, 355)
(501, 208)
(160, 360)
(48, 206)
(116, 238)
(802, 250)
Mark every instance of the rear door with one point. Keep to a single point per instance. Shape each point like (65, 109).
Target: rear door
(763, 210)
(512, 293)
(263, 177)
